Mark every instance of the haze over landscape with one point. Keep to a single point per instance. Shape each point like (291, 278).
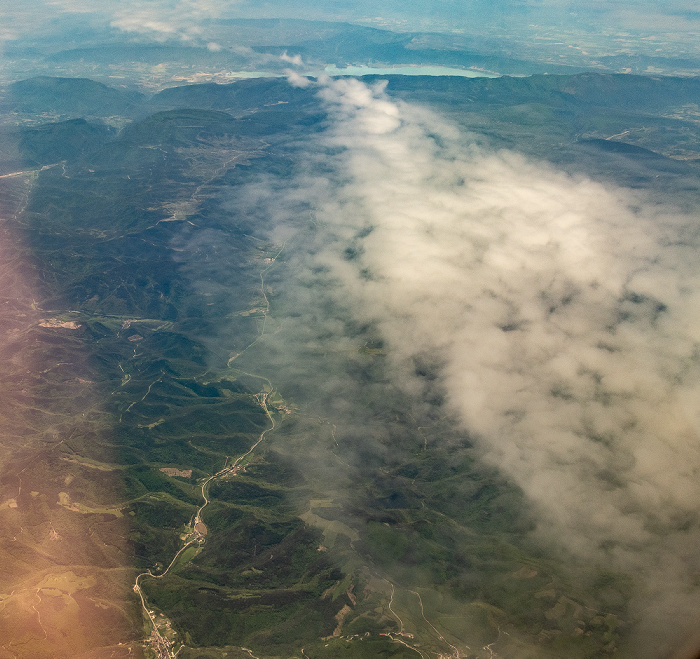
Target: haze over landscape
(308, 364)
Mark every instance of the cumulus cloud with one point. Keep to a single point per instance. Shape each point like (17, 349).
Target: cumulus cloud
(296, 60)
(164, 18)
(157, 19)
(561, 314)
(296, 79)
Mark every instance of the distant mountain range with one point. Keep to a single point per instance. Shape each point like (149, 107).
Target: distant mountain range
(256, 44)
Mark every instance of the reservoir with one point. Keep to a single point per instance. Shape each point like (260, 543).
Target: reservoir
(416, 70)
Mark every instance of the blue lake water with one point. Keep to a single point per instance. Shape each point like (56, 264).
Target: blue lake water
(332, 70)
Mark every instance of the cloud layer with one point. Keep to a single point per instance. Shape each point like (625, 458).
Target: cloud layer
(561, 314)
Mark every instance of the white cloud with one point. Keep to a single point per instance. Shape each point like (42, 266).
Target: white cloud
(296, 79)
(296, 60)
(159, 19)
(163, 18)
(564, 314)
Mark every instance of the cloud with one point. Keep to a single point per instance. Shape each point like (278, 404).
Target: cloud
(296, 79)
(157, 19)
(165, 18)
(561, 314)
(296, 60)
